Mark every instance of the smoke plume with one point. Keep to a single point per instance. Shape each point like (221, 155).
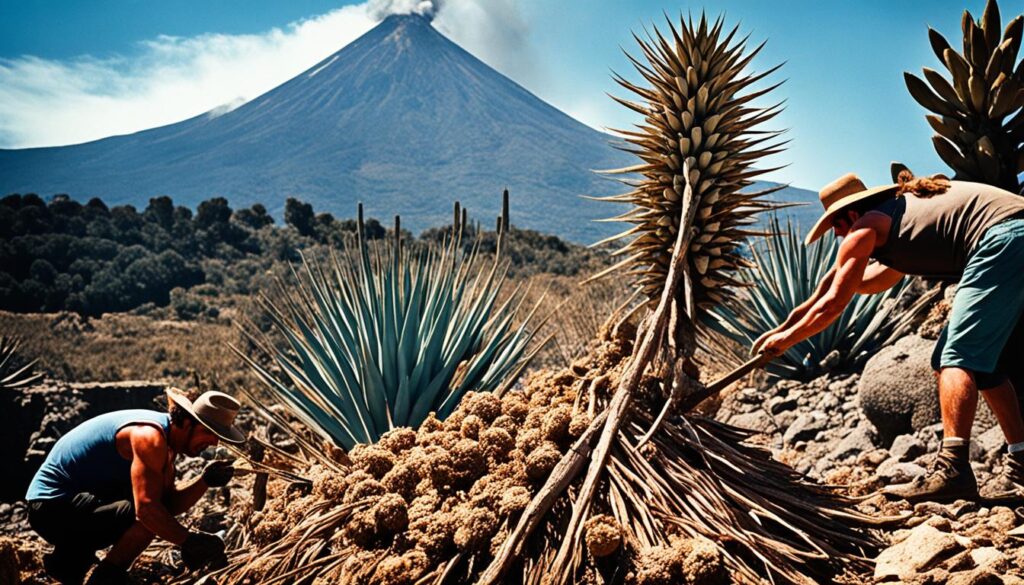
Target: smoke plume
(380, 9)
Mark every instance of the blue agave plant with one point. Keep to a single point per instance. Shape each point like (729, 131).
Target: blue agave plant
(377, 337)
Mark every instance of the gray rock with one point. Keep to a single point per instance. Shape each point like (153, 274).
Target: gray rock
(778, 404)
(923, 549)
(894, 471)
(990, 443)
(979, 576)
(860, 440)
(907, 448)
(784, 419)
(828, 403)
(757, 420)
(933, 509)
(899, 392)
(805, 428)
(989, 557)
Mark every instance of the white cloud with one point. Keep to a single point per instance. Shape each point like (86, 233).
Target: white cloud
(496, 32)
(47, 102)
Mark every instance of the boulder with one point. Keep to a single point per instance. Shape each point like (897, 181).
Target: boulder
(897, 389)
(924, 548)
(899, 392)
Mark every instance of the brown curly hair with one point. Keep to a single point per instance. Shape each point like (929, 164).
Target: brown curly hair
(921, 186)
(178, 414)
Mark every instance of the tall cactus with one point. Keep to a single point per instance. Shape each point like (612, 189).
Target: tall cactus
(977, 113)
(698, 115)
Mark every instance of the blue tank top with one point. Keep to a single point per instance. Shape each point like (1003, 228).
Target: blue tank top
(86, 459)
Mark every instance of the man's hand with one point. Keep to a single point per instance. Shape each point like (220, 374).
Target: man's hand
(202, 550)
(218, 473)
(756, 348)
(775, 344)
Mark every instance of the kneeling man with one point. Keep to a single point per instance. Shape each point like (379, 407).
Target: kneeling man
(109, 482)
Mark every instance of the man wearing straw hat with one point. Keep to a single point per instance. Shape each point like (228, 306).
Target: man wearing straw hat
(953, 230)
(110, 482)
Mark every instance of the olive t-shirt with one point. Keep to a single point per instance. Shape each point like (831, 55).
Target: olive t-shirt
(934, 236)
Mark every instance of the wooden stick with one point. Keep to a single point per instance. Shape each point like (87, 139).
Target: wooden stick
(620, 403)
(690, 402)
(560, 477)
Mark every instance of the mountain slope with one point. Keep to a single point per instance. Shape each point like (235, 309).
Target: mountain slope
(401, 119)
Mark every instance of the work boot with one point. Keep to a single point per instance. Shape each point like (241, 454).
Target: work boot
(1010, 482)
(108, 574)
(950, 479)
(68, 567)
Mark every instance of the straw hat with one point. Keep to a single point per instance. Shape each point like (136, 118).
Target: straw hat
(215, 410)
(838, 195)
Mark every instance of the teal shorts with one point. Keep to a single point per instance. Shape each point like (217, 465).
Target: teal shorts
(983, 334)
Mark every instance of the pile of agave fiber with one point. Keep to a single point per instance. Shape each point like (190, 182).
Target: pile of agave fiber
(453, 487)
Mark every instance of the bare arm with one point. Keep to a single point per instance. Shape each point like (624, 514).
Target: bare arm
(798, 313)
(854, 254)
(877, 278)
(185, 495)
(149, 458)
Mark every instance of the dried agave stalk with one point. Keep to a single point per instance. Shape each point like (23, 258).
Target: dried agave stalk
(698, 114)
(698, 145)
(971, 107)
(12, 377)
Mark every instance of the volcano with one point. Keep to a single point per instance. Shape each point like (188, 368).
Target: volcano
(402, 119)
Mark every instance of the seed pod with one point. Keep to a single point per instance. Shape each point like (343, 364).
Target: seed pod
(696, 135)
(711, 123)
(701, 263)
(673, 121)
(687, 119)
(704, 160)
(684, 146)
(977, 87)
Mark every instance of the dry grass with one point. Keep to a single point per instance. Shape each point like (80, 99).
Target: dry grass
(152, 347)
(126, 347)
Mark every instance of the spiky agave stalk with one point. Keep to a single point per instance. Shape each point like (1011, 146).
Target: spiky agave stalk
(698, 112)
(970, 109)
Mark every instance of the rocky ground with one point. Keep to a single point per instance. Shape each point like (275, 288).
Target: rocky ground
(881, 428)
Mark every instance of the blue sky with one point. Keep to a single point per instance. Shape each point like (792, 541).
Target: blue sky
(73, 71)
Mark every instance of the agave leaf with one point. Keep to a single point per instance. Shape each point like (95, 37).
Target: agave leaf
(373, 336)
